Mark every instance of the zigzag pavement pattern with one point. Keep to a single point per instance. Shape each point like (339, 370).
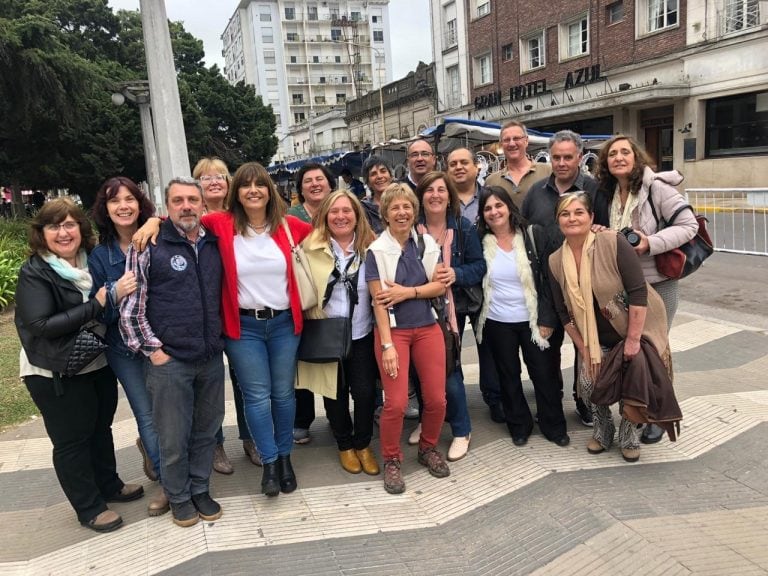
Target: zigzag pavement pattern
(492, 471)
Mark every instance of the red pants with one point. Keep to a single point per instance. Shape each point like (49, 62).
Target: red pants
(426, 349)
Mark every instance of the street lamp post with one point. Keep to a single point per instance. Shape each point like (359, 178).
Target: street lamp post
(137, 92)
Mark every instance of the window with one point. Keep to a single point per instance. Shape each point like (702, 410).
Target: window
(290, 13)
(293, 59)
(319, 99)
(271, 81)
(483, 7)
(532, 54)
(269, 56)
(265, 17)
(507, 52)
(659, 14)
(574, 38)
(344, 79)
(451, 38)
(315, 59)
(737, 125)
(741, 14)
(297, 98)
(483, 74)
(452, 87)
(277, 119)
(335, 34)
(614, 12)
(322, 79)
(311, 12)
(378, 35)
(341, 98)
(298, 117)
(266, 36)
(375, 19)
(292, 37)
(337, 59)
(355, 16)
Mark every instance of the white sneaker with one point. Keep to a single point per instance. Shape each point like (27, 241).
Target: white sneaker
(459, 447)
(413, 439)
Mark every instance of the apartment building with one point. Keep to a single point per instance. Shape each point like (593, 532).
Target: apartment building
(307, 58)
(688, 78)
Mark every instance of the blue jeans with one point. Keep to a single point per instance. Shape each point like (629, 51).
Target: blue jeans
(456, 411)
(131, 371)
(264, 359)
(187, 409)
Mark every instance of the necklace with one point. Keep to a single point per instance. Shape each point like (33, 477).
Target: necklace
(258, 229)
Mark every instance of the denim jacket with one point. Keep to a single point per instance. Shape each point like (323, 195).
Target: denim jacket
(106, 263)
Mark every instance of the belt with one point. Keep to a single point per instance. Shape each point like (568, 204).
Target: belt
(261, 314)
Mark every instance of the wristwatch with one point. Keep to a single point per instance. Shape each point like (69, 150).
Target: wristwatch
(387, 346)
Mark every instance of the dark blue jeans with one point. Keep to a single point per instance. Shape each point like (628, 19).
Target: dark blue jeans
(187, 409)
(265, 363)
(131, 371)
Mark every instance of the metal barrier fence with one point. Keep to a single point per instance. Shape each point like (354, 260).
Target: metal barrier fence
(738, 217)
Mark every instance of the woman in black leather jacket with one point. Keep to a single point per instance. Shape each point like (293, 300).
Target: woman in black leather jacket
(52, 304)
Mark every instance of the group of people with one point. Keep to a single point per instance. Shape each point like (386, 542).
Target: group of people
(538, 252)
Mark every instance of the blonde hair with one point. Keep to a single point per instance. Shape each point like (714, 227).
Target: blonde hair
(397, 191)
(363, 233)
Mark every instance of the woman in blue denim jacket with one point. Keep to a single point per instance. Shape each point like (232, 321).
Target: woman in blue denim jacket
(462, 266)
(119, 209)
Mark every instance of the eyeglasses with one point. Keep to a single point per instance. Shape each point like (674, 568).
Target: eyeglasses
(515, 139)
(422, 154)
(213, 178)
(69, 226)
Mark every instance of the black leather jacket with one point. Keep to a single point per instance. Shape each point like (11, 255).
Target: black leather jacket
(49, 314)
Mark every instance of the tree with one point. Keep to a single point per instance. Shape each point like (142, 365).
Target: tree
(60, 60)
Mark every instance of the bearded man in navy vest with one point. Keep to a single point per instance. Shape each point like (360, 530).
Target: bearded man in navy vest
(173, 319)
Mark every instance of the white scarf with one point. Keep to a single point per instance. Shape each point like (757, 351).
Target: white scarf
(79, 276)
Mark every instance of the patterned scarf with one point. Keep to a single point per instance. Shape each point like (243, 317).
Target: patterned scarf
(620, 219)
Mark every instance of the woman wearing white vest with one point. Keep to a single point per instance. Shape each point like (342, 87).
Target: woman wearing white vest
(401, 285)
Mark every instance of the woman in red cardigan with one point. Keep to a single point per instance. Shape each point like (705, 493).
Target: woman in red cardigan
(262, 316)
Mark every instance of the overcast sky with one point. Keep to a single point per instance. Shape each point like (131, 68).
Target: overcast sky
(410, 36)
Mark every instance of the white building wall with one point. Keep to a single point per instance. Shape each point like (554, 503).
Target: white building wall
(449, 49)
(325, 53)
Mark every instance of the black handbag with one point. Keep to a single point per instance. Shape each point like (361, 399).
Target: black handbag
(686, 259)
(467, 300)
(330, 339)
(325, 340)
(87, 347)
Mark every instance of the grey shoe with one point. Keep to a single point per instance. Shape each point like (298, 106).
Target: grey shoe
(221, 462)
(412, 411)
(301, 436)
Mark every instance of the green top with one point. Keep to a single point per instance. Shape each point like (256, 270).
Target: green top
(300, 213)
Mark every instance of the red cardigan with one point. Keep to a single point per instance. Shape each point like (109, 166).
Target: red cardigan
(222, 224)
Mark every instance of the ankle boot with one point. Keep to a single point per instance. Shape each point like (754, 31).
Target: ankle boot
(287, 475)
(270, 480)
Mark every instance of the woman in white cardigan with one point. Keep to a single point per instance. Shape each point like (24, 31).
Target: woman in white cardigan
(518, 316)
(399, 269)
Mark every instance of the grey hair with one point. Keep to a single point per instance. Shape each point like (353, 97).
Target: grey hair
(184, 181)
(567, 136)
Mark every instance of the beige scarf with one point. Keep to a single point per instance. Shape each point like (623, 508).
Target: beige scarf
(579, 288)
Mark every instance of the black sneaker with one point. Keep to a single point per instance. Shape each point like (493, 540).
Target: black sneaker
(497, 413)
(652, 434)
(585, 414)
(184, 514)
(208, 509)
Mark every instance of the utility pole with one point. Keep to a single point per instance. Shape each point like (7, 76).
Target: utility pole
(164, 92)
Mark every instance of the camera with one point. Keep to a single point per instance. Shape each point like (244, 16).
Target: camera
(632, 237)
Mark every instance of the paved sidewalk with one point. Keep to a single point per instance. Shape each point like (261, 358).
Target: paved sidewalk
(697, 506)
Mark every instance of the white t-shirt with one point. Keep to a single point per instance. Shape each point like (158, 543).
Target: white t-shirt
(262, 280)
(507, 297)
